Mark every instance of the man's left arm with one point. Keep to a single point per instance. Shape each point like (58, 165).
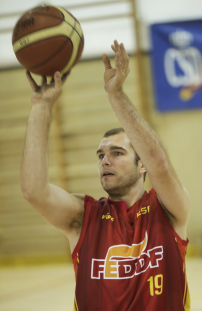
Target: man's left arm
(170, 192)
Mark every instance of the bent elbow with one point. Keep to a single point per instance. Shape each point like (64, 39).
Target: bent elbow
(34, 194)
(27, 195)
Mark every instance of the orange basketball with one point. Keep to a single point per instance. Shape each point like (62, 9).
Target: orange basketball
(48, 39)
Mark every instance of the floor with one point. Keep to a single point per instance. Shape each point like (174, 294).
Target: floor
(51, 287)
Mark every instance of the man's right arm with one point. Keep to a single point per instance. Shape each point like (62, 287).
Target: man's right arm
(61, 209)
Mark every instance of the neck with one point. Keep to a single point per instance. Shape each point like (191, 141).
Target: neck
(132, 196)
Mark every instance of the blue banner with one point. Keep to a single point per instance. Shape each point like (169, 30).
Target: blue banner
(177, 64)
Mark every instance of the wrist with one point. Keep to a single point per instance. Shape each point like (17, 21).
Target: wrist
(39, 106)
(43, 102)
(116, 94)
(41, 113)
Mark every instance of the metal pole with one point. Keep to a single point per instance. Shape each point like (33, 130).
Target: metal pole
(141, 78)
(140, 68)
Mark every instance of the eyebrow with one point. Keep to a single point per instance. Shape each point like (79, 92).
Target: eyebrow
(111, 148)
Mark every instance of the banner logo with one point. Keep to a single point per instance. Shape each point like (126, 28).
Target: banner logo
(188, 60)
(124, 261)
(181, 38)
(177, 63)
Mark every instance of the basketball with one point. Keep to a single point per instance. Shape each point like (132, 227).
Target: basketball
(47, 39)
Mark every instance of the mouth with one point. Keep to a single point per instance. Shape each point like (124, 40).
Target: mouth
(107, 174)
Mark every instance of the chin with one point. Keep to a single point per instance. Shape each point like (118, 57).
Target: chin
(112, 190)
(107, 188)
(119, 190)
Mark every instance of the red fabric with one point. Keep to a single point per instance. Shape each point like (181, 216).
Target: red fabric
(129, 259)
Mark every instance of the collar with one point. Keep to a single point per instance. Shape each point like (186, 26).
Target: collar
(122, 204)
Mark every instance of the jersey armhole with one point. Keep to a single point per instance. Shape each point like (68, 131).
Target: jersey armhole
(178, 239)
(88, 201)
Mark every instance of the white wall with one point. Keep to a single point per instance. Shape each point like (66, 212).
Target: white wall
(100, 34)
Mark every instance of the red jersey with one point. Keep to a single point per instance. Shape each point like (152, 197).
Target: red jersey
(129, 259)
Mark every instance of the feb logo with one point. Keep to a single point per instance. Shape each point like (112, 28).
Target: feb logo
(124, 261)
(183, 64)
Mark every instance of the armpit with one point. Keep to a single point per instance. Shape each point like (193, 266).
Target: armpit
(169, 216)
(77, 222)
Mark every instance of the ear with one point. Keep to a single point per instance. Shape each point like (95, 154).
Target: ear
(142, 168)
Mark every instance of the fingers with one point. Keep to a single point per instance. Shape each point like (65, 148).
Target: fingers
(116, 47)
(124, 55)
(43, 81)
(32, 82)
(118, 63)
(106, 62)
(121, 58)
(58, 82)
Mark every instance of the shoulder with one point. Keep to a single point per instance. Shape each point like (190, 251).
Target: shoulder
(87, 201)
(79, 196)
(84, 199)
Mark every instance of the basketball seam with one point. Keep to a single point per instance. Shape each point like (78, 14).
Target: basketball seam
(50, 15)
(50, 58)
(73, 28)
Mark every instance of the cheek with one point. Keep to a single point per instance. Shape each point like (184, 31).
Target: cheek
(121, 165)
(127, 166)
(99, 166)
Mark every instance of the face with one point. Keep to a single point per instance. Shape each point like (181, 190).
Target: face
(116, 165)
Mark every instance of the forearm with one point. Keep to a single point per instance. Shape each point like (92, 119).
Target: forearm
(144, 140)
(34, 168)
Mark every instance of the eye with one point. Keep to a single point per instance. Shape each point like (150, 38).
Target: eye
(101, 156)
(118, 153)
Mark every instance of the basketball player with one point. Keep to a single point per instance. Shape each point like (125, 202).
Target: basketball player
(128, 249)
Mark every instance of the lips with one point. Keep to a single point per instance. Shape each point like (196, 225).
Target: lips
(107, 174)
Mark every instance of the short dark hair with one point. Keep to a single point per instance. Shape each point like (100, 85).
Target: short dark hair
(116, 131)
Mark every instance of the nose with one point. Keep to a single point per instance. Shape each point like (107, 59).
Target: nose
(106, 161)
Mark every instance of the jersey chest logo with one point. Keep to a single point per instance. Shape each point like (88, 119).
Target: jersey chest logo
(124, 261)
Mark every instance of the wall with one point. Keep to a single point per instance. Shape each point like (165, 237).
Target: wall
(96, 29)
(84, 114)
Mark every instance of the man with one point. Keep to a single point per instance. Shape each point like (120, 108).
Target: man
(128, 250)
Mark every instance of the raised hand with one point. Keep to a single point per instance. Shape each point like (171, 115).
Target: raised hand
(46, 93)
(114, 77)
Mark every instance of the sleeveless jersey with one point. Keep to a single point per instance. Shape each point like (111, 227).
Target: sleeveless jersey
(129, 259)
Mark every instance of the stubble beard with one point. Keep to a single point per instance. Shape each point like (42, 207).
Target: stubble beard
(122, 186)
